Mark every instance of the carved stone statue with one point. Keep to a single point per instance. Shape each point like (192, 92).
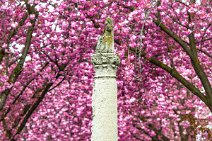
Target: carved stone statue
(105, 42)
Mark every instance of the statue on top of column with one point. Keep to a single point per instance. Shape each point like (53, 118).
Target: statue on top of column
(105, 42)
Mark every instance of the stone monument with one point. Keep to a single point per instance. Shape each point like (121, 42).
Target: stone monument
(104, 98)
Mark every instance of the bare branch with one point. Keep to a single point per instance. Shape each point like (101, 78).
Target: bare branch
(173, 35)
(206, 53)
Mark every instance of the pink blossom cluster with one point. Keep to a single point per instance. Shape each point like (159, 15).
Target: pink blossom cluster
(47, 75)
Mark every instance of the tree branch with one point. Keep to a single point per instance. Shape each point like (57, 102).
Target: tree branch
(16, 72)
(32, 108)
(180, 78)
(204, 52)
(30, 111)
(20, 64)
(197, 65)
(173, 35)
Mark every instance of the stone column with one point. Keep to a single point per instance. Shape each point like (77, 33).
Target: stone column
(104, 98)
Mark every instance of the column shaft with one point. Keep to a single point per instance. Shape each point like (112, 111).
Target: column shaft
(105, 110)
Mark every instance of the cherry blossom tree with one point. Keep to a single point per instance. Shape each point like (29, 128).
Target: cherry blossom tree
(46, 72)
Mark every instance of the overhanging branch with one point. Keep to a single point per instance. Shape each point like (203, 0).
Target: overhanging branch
(172, 35)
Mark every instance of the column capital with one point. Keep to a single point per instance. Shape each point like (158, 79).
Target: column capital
(105, 64)
(105, 60)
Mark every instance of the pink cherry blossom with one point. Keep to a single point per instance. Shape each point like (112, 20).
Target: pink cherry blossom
(164, 79)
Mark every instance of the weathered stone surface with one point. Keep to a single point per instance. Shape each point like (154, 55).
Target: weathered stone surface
(105, 64)
(105, 42)
(104, 98)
